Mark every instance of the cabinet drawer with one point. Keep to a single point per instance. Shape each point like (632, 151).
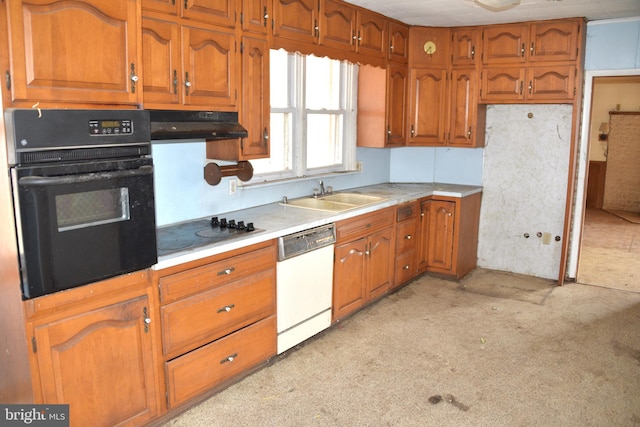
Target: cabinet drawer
(206, 367)
(360, 226)
(407, 211)
(202, 318)
(405, 267)
(406, 236)
(215, 274)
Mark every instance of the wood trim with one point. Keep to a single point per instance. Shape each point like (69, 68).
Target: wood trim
(595, 184)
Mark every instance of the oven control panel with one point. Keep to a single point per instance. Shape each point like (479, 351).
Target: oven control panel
(110, 127)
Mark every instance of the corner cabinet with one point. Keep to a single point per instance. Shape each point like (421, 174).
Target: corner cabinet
(364, 258)
(72, 51)
(93, 348)
(448, 241)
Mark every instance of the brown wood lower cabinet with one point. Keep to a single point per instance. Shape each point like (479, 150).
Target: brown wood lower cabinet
(448, 242)
(93, 349)
(218, 319)
(363, 266)
(197, 371)
(407, 231)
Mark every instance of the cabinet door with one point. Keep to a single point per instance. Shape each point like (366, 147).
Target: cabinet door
(161, 72)
(209, 67)
(83, 52)
(504, 44)
(217, 12)
(503, 84)
(338, 25)
(552, 83)
(428, 101)
(379, 263)
(372, 34)
(255, 97)
(554, 41)
(463, 109)
(441, 223)
(255, 14)
(465, 46)
(100, 363)
(296, 20)
(423, 240)
(396, 104)
(348, 278)
(398, 42)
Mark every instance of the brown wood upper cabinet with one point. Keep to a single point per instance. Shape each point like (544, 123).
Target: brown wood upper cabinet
(75, 52)
(296, 20)
(188, 64)
(465, 46)
(217, 12)
(537, 84)
(398, 42)
(255, 16)
(531, 42)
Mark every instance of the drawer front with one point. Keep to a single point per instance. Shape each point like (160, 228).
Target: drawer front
(215, 274)
(200, 319)
(211, 365)
(406, 236)
(363, 225)
(407, 210)
(405, 267)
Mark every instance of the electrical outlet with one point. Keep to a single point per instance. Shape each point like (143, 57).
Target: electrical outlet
(233, 186)
(359, 166)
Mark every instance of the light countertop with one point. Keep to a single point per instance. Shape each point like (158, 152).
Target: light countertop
(277, 220)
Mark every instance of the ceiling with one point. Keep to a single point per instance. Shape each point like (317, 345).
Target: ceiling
(456, 13)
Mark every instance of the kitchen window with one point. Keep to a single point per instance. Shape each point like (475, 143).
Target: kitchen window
(313, 117)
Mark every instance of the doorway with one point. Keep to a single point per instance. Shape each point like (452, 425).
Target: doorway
(608, 244)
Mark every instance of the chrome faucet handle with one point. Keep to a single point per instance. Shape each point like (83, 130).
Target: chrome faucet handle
(329, 189)
(316, 192)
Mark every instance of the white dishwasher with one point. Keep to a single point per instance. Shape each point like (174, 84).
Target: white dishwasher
(304, 277)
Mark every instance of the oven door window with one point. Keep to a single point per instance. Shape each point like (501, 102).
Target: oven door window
(91, 208)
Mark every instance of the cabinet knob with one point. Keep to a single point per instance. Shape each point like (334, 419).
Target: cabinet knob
(406, 267)
(226, 308)
(187, 83)
(532, 49)
(229, 358)
(134, 78)
(226, 271)
(265, 134)
(408, 237)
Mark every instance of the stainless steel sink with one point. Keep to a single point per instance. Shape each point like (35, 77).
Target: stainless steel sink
(336, 202)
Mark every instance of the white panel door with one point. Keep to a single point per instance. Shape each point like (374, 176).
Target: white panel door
(526, 162)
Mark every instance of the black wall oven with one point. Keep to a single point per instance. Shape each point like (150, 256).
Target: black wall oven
(83, 194)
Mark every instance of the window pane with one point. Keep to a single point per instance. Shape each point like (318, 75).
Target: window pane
(322, 83)
(279, 78)
(324, 140)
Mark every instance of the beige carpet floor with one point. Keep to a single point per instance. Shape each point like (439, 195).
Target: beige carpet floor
(443, 353)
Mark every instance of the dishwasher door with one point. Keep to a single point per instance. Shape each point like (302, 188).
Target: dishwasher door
(304, 296)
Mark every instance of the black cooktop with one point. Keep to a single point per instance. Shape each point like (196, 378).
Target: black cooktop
(193, 234)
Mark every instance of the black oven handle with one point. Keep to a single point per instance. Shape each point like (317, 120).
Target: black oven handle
(35, 180)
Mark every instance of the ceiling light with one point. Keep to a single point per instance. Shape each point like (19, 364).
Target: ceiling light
(497, 5)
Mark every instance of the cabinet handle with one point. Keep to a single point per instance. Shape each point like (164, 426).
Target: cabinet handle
(391, 47)
(530, 86)
(408, 237)
(532, 49)
(413, 131)
(265, 16)
(521, 87)
(353, 36)
(469, 133)
(175, 82)
(316, 29)
(186, 4)
(226, 271)
(147, 320)
(389, 131)
(229, 358)
(265, 135)
(187, 83)
(406, 267)
(226, 308)
(133, 77)
(359, 39)
(522, 50)
(473, 52)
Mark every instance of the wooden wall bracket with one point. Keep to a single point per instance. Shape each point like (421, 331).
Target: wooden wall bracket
(213, 173)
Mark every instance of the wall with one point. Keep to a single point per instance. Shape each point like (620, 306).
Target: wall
(427, 164)
(622, 185)
(182, 194)
(610, 93)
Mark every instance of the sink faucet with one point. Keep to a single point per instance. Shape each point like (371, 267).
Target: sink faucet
(322, 191)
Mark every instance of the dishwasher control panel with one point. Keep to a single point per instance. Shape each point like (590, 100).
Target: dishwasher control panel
(304, 241)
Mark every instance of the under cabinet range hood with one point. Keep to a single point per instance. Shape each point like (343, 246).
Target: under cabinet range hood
(208, 125)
